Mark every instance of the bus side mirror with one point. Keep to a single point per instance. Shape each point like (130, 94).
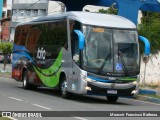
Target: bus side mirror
(80, 39)
(147, 48)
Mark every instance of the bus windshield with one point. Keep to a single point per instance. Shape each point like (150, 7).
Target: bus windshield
(111, 51)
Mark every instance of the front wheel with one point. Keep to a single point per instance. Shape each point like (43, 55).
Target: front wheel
(63, 88)
(112, 99)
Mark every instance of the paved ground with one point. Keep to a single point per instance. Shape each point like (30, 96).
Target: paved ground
(14, 98)
(8, 67)
(5, 73)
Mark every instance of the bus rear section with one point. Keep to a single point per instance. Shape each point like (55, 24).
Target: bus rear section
(38, 52)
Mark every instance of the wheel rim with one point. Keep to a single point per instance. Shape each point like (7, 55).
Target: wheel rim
(24, 81)
(64, 87)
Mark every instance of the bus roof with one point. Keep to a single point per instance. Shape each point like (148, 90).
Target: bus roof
(97, 19)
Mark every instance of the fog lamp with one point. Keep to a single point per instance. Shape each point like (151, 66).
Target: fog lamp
(88, 88)
(134, 91)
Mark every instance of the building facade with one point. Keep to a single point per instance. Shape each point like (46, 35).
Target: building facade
(5, 20)
(27, 10)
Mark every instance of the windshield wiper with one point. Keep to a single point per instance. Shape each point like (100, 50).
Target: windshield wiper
(123, 63)
(105, 60)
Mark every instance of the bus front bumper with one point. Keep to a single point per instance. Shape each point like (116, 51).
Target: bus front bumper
(112, 89)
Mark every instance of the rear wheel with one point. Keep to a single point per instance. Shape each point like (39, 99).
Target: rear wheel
(63, 88)
(26, 85)
(112, 99)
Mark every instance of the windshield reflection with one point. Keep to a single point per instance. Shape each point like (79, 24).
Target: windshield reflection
(110, 51)
(98, 46)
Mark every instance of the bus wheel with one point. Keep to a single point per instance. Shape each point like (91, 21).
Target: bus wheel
(26, 85)
(112, 99)
(63, 88)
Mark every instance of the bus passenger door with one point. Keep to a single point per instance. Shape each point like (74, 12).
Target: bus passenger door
(75, 52)
(75, 62)
(78, 45)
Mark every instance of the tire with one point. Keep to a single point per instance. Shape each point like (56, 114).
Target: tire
(63, 88)
(112, 99)
(26, 85)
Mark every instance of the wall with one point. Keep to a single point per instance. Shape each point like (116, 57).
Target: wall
(53, 7)
(5, 30)
(29, 1)
(5, 21)
(7, 7)
(152, 74)
(27, 10)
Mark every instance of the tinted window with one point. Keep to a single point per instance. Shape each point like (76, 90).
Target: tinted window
(49, 36)
(21, 35)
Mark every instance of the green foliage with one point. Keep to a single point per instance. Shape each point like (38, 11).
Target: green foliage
(6, 47)
(110, 10)
(150, 28)
(103, 11)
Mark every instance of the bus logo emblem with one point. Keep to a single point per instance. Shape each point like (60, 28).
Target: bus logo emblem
(41, 53)
(112, 85)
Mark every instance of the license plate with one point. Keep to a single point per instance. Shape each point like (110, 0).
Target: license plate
(112, 91)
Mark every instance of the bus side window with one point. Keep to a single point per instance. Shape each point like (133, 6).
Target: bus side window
(74, 25)
(75, 48)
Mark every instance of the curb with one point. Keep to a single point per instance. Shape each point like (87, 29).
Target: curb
(143, 95)
(143, 91)
(149, 91)
(149, 99)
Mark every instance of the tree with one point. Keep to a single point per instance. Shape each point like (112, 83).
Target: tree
(110, 10)
(150, 28)
(6, 48)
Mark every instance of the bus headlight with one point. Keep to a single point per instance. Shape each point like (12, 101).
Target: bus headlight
(134, 92)
(135, 83)
(88, 88)
(88, 79)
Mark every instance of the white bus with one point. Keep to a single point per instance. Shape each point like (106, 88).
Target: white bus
(78, 52)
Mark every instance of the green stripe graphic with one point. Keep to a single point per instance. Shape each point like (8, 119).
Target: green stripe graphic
(50, 76)
(127, 78)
